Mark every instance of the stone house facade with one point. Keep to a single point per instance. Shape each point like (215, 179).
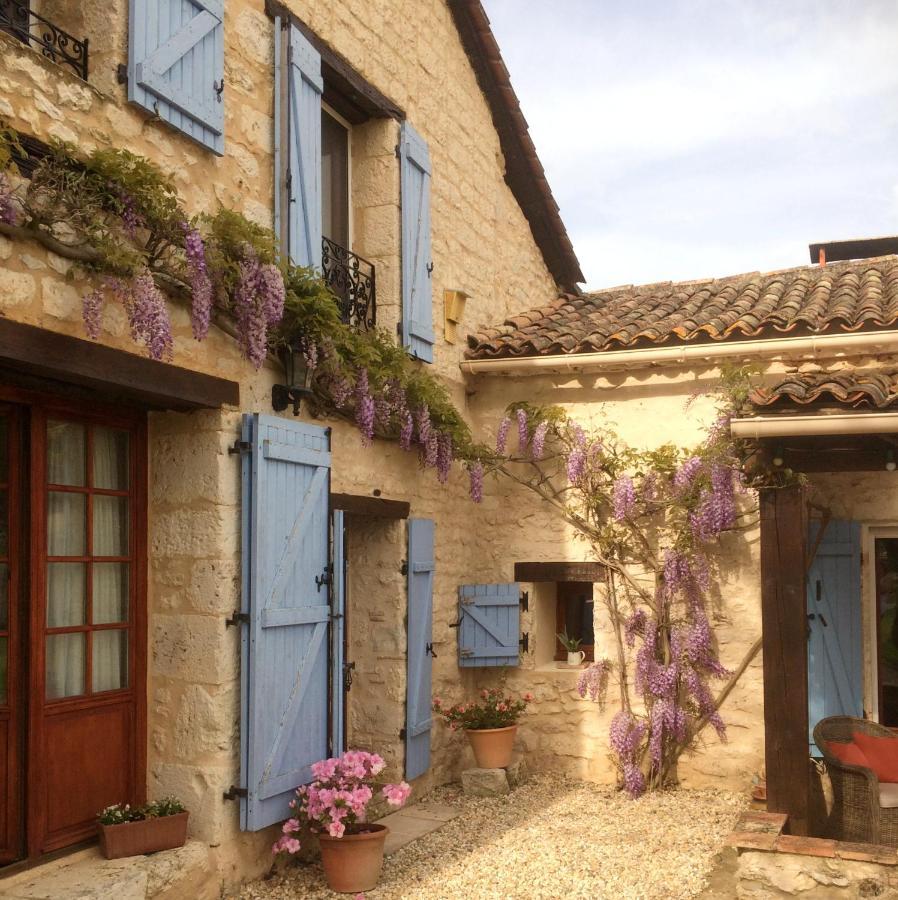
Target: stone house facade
(88, 425)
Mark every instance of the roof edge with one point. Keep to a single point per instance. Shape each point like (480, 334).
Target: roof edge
(524, 172)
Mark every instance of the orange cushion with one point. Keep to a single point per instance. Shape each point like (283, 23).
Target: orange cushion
(848, 753)
(881, 753)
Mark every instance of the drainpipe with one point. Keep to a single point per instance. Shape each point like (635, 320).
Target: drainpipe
(814, 347)
(796, 426)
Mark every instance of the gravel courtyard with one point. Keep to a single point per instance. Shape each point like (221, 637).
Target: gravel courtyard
(548, 839)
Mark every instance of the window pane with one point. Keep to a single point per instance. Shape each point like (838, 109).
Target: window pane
(4, 596)
(65, 665)
(66, 594)
(110, 597)
(4, 448)
(4, 667)
(110, 526)
(110, 663)
(110, 458)
(4, 523)
(66, 453)
(334, 180)
(66, 524)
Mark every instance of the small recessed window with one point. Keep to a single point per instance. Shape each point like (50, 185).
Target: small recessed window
(335, 178)
(574, 616)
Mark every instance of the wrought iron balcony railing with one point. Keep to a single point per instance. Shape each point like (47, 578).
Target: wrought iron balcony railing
(17, 19)
(351, 278)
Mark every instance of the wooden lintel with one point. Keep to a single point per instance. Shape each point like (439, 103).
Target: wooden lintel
(114, 374)
(784, 528)
(361, 505)
(559, 571)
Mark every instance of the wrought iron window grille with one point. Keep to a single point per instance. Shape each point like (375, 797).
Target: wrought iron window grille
(351, 278)
(18, 19)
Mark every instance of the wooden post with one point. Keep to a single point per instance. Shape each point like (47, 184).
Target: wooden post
(784, 622)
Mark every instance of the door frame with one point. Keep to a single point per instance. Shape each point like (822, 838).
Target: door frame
(32, 806)
(869, 613)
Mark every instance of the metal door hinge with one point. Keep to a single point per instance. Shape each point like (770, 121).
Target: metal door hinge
(239, 618)
(121, 73)
(240, 447)
(233, 792)
(348, 669)
(324, 578)
(429, 651)
(465, 653)
(402, 734)
(525, 601)
(403, 569)
(524, 642)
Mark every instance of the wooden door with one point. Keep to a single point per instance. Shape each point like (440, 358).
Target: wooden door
(87, 633)
(11, 688)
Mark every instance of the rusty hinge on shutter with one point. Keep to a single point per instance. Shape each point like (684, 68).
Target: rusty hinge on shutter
(403, 569)
(465, 653)
(233, 792)
(402, 734)
(348, 669)
(524, 642)
(525, 601)
(240, 447)
(239, 618)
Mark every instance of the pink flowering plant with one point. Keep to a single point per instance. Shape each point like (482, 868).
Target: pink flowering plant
(336, 802)
(494, 709)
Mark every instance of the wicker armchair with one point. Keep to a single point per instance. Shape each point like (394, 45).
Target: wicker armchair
(856, 814)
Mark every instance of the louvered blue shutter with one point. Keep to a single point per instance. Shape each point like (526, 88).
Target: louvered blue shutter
(302, 166)
(489, 624)
(420, 636)
(284, 674)
(835, 660)
(417, 292)
(176, 65)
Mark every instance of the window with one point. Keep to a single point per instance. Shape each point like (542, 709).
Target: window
(40, 25)
(335, 208)
(574, 616)
(887, 628)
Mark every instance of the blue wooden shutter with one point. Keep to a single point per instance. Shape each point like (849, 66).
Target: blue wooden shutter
(835, 660)
(420, 636)
(417, 293)
(284, 675)
(303, 163)
(338, 609)
(489, 624)
(176, 65)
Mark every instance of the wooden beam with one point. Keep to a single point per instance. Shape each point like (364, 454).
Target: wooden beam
(361, 505)
(559, 571)
(784, 528)
(115, 374)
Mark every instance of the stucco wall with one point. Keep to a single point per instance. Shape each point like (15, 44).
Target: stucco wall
(481, 244)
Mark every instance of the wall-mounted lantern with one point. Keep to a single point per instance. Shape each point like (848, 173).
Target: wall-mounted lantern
(297, 378)
(453, 313)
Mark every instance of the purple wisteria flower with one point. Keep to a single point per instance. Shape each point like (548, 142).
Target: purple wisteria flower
(444, 456)
(502, 435)
(716, 511)
(131, 218)
(623, 498)
(576, 465)
(424, 427)
(341, 391)
(364, 407)
(431, 448)
(273, 294)
(634, 625)
(475, 470)
(200, 283)
(593, 680)
(91, 312)
(626, 735)
(685, 475)
(523, 431)
(148, 317)
(406, 430)
(539, 440)
(258, 304)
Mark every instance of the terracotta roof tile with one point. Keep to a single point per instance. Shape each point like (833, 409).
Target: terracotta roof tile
(809, 300)
(877, 390)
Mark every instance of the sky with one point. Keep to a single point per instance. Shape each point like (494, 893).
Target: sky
(687, 139)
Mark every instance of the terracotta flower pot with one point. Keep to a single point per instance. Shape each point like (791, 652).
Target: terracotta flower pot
(145, 836)
(492, 746)
(352, 863)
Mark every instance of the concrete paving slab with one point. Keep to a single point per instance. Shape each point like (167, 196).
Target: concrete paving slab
(409, 824)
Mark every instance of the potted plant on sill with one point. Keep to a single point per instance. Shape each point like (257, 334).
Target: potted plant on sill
(575, 655)
(132, 831)
(334, 806)
(490, 724)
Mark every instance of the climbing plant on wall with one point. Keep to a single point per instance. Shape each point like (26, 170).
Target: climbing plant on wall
(655, 519)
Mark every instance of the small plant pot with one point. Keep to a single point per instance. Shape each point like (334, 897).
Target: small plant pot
(492, 746)
(352, 863)
(145, 836)
(575, 657)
